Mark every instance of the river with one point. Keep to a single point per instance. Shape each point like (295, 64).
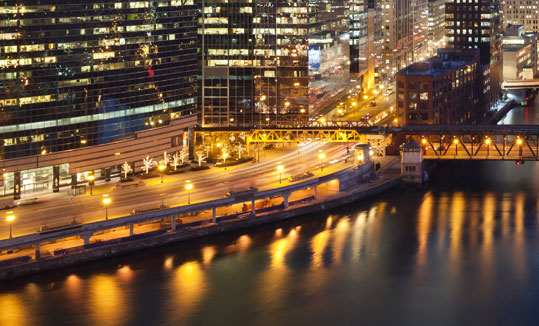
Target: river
(462, 251)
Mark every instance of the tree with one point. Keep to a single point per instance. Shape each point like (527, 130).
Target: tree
(175, 160)
(165, 160)
(240, 149)
(126, 168)
(201, 156)
(148, 162)
(184, 155)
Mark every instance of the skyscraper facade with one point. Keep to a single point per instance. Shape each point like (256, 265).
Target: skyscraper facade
(525, 13)
(269, 62)
(80, 76)
(475, 24)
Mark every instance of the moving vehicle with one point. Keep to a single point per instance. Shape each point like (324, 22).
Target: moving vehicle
(241, 191)
(373, 103)
(300, 176)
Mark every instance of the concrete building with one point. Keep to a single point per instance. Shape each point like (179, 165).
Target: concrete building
(441, 90)
(477, 25)
(525, 13)
(519, 53)
(436, 30)
(86, 86)
(262, 63)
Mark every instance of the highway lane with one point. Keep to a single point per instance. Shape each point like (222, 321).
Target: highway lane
(207, 185)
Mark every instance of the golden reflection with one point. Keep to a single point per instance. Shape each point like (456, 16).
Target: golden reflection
(279, 232)
(189, 288)
(329, 221)
(339, 238)
(382, 207)
(208, 253)
(457, 221)
(318, 245)
(73, 285)
(244, 242)
(125, 273)
(12, 311)
(359, 228)
(423, 227)
(489, 211)
(169, 263)
(107, 301)
(507, 202)
(443, 214)
(519, 237)
(473, 216)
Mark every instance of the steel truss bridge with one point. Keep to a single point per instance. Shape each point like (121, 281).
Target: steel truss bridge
(463, 142)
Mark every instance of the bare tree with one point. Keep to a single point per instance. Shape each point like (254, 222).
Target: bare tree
(165, 160)
(240, 149)
(184, 155)
(126, 168)
(201, 156)
(175, 160)
(148, 162)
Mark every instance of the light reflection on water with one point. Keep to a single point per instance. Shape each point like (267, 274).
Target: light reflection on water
(463, 251)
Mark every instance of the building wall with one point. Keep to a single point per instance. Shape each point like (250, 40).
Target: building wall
(432, 92)
(79, 74)
(436, 29)
(518, 12)
(262, 62)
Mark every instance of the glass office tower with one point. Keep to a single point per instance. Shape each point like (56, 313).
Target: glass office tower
(270, 62)
(89, 77)
(85, 73)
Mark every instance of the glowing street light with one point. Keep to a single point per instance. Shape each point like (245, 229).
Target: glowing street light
(162, 168)
(188, 187)
(519, 141)
(10, 218)
(424, 141)
(321, 156)
(106, 202)
(354, 103)
(91, 179)
(488, 141)
(365, 97)
(280, 168)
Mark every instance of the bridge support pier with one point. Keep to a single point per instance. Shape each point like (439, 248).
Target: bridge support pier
(38, 251)
(86, 238)
(315, 192)
(286, 195)
(131, 229)
(253, 210)
(214, 215)
(173, 223)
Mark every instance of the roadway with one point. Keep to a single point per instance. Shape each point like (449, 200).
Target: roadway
(60, 209)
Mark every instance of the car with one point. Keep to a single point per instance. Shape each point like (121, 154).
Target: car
(241, 191)
(300, 176)
(373, 103)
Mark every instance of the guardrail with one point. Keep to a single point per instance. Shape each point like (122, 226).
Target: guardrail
(90, 228)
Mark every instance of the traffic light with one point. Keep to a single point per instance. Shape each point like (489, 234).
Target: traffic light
(519, 162)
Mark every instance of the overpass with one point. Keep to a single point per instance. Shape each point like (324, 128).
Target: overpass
(491, 142)
(520, 84)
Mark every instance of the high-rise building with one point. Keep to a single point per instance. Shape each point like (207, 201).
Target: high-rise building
(436, 30)
(420, 39)
(365, 40)
(397, 38)
(85, 86)
(268, 62)
(525, 13)
(477, 25)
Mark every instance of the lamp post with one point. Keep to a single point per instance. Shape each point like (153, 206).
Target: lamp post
(162, 168)
(106, 202)
(487, 142)
(321, 156)
(10, 218)
(188, 187)
(280, 168)
(225, 155)
(91, 179)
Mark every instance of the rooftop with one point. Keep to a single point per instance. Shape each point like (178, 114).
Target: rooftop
(447, 60)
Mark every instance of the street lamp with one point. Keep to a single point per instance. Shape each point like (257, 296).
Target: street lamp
(280, 168)
(91, 179)
(321, 156)
(106, 202)
(225, 155)
(10, 218)
(365, 97)
(188, 187)
(519, 141)
(161, 168)
(487, 142)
